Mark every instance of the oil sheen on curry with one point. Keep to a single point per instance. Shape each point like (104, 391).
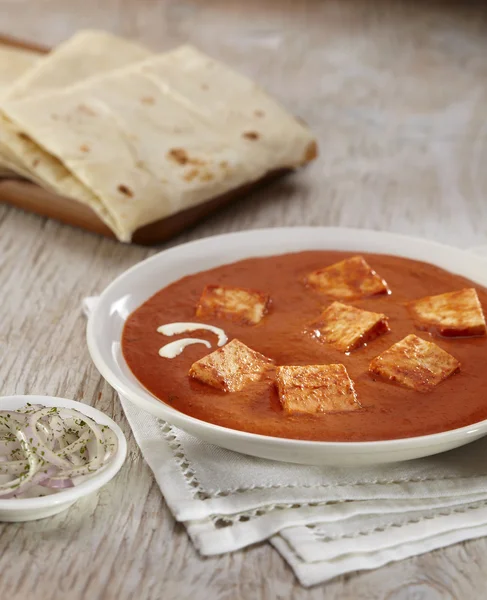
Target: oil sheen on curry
(317, 345)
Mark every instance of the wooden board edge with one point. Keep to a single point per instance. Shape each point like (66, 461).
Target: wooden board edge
(7, 40)
(30, 197)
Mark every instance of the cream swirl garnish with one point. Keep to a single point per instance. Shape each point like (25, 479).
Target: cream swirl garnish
(173, 349)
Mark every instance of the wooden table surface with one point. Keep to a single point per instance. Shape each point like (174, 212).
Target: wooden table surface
(397, 93)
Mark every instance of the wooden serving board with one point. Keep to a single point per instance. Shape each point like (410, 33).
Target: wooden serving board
(31, 197)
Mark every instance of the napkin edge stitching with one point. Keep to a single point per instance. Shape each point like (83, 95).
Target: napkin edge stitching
(200, 493)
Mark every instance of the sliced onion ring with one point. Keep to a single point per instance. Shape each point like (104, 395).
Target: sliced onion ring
(55, 448)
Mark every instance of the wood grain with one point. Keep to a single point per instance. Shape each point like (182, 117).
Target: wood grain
(397, 93)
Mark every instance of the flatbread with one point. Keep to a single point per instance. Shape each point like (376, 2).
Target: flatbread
(13, 63)
(87, 53)
(12, 170)
(235, 102)
(148, 147)
(37, 165)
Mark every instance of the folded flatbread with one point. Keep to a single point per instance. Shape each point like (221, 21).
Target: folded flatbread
(87, 53)
(13, 63)
(141, 143)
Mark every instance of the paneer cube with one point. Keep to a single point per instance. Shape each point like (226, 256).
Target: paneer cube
(232, 367)
(414, 363)
(348, 279)
(346, 328)
(235, 304)
(316, 389)
(455, 314)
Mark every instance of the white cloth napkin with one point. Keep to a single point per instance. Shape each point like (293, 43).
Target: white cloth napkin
(324, 521)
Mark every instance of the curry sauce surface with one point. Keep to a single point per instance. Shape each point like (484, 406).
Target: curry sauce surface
(388, 412)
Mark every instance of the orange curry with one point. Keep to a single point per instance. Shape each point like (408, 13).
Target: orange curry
(388, 411)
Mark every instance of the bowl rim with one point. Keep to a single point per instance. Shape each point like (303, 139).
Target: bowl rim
(92, 484)
(144, 398)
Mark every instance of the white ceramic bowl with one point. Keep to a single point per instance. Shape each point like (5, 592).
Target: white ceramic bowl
(137, 284)
(30, 509)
